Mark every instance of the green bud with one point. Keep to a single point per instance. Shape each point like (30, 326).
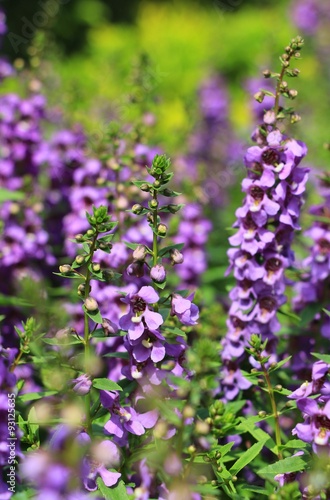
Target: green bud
(96, 267)
(79, 237)
(91, 304)
(173, 208)
(108, 275)
(90, 232)
(156, 184)
(161, 229)
(153, 204)
(65, 269)
(145, 187)
(80, 259)
(137, 209)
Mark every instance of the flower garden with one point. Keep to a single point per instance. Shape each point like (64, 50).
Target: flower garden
(165, 253)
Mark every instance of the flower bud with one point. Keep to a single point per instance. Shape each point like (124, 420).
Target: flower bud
(158, 274)
(96, 267)
(108, 275)
(82, 384)
(269, 117)
(109, 327)
(173, 209)
(91, 304)
(140, 253)
(153, 204)
(65, 269)
(135, 269)
(145, 187)
(80, 259)
(161, 229)
(293, 93)
(267, 73)
(176, 256)
(156, 184)
(90, 232)
(259, 96)
(137, 209)
(79, 237)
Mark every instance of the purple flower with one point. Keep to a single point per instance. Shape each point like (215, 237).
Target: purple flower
(316, 428)
(82, 384)
(185, 310)
(158, 274)
(105, 455)
(140, 316)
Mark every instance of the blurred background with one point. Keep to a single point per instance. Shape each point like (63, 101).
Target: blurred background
(190, 68)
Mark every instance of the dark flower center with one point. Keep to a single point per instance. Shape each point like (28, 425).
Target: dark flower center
(322, 421)
(324, 246)
(245, 284)
(257, 168)
(138, 304)
(237, 323)
(257, 193)
(270, 156)
(268, 303)
(273, 264)
(248, 222)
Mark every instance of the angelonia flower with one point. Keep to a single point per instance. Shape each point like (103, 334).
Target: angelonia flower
(261, 248)
(315, 428)
(314, 284)
(193, 232)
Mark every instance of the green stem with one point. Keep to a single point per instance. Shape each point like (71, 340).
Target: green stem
(17, 360)
(277, 92)
(275, 413)
(155, 237)
(87, 335)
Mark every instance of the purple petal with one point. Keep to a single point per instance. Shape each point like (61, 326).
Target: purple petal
(109, 478)
(148, 294)
(153, 319)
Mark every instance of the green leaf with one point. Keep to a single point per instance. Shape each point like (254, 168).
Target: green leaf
(61, 342)
(308, 313)
(295, 444)
(133, 246)
(94, 315)
(285, 466)
(279, 364)
(248, 425)
(117, 492)
(160, 285)
(106, 385)
(121, 355)
(33, 396)
(322, 357)
(247, 457)
(7, 195)
(32, 425)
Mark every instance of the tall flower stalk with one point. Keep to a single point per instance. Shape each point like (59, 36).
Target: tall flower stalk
(266, 223)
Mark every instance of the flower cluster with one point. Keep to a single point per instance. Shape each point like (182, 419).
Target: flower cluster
(313, 287)
(262, 245)
(316, 411)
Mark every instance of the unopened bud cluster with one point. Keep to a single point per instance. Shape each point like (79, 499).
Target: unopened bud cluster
(153, 210)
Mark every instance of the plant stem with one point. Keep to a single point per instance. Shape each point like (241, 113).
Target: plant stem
(277, 92)
(86, 336)
(275, 412)
(17, 360)
(155, 238)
